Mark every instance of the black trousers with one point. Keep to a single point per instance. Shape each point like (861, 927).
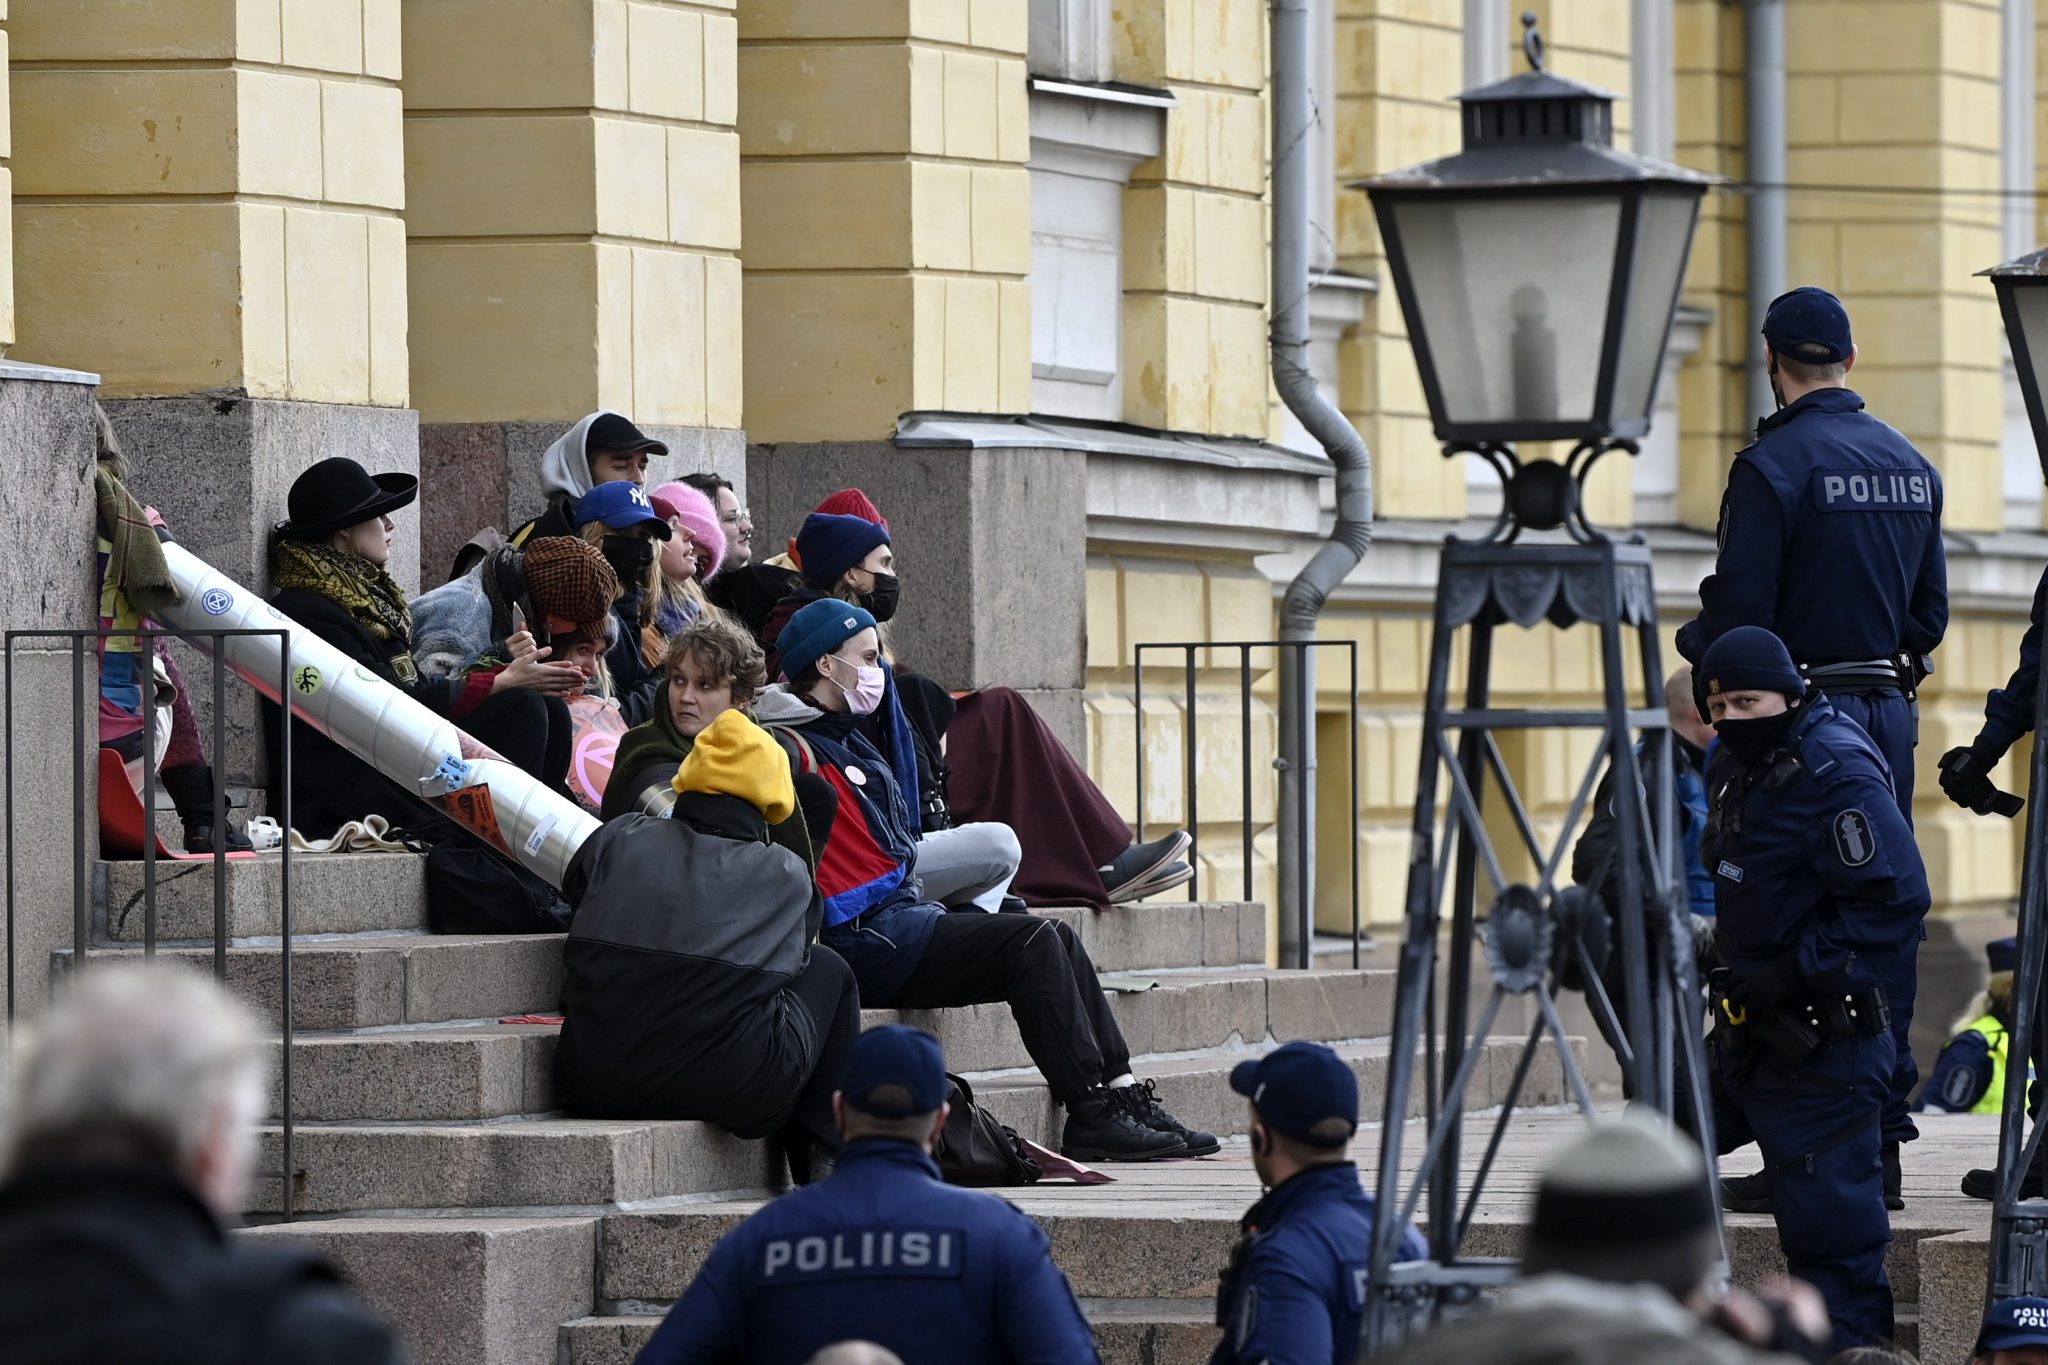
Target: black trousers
(825, 988)
(1039, 967)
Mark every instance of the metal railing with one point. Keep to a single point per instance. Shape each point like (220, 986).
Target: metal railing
(81, 845)
(1302, 777)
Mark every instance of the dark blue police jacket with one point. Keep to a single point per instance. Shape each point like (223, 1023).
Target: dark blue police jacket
(880, 1252)
(2009, 710)
(1811, 856)
(1830, 538)
(1294, 1293)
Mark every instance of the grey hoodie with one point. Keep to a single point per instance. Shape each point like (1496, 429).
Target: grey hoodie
(777, 705)
(565, 468)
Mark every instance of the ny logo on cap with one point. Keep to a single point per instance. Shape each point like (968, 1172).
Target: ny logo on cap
(639, 496)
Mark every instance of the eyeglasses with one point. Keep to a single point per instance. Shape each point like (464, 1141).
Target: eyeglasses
(736, 516)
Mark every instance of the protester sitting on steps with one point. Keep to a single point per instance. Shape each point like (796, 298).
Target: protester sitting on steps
(733, 519)
(620, 520)
(908, 952)
(883, 1252)
(693, 988)
(712, 668)
(327, 564)
(131, 1146)
(1001, 763)
(690, 558)
(601, 448)
(134, 579)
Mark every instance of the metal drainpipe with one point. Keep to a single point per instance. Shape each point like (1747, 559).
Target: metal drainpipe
(1763, 91)
(1352, 534)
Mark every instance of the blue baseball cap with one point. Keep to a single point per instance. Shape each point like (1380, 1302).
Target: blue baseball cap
(1298, 1086)
(1809, 325)
(621, 505)
(894, 1055)
(2013, 1323)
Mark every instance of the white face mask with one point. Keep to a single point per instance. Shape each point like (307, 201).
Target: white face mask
(866, 693)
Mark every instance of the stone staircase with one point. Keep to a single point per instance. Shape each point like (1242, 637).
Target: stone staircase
(430, 1163)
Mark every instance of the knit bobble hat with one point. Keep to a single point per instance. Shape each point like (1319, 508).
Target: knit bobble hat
(732, 756)
(829, 545)
(569, 580)
(1751, 659)
(700, 518)
(816, 630)
(1628, 1203)
(851, 502)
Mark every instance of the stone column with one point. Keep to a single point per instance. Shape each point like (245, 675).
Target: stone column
(573, 225)
(206, 213)
(888, 213)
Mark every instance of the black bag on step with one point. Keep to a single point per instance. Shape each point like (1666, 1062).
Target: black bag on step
(473, 889)
(977, 1149)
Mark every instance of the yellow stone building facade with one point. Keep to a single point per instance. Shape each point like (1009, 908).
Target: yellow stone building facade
(821, 244)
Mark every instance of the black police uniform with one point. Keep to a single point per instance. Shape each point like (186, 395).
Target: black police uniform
(1831, 539)
(880, 1252)
(1821, 891)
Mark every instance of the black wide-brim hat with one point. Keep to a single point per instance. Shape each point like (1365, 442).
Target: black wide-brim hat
(338, 493)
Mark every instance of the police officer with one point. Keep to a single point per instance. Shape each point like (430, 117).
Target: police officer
(1819, 890)
(1969, 1075)
(1831, 538)
(882, 1251)
(1294, 1291)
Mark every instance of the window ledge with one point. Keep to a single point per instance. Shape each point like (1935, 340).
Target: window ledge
(1101, 131)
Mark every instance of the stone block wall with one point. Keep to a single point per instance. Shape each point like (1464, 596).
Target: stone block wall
(1195, 261)
(882, 179)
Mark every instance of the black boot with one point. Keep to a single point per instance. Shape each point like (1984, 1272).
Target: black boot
(190, 787)
(1101, 1127)
(1894, 1181)
(1746, 1193)
(1142, 1100)
(1983, 1184)
(199, 838)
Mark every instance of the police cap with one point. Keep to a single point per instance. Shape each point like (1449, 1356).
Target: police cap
(903, 1064)
(1298, 1088)
(2012, 1324)
(1750, 659)
(1808, 324)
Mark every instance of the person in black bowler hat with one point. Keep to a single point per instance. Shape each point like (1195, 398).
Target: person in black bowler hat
(1295, 1286)
(881, 1251)
(1819, 892)
(1830, 538)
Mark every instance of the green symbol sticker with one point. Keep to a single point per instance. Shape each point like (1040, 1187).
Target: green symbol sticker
(306, 680)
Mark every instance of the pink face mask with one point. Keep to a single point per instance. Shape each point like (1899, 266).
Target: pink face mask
(866, 693)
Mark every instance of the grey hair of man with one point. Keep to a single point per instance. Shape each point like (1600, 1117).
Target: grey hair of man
(855, 1353)
(142, 1063)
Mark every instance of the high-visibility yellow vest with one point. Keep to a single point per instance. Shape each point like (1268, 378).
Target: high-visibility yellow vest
(1995, 1035)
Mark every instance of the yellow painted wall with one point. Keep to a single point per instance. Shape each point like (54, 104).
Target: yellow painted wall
(882, 180)
(207, 194)
(573, 220)
(6, 196)
(1195, 259)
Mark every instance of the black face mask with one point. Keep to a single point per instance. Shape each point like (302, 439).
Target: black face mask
(881, 603)
(1752, 740)
(630, 558)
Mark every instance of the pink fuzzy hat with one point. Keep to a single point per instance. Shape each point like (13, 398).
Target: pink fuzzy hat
(700, 519)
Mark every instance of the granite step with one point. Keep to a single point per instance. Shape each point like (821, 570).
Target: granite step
(463, 1291)
(484, 1070)
(1127, 1332)
(377, 980)
(332, 893)
(1149, 1236)
(554, 1164)
(1157, 935)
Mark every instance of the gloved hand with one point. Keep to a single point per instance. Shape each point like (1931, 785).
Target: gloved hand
(1762, 991)
(1966, 774)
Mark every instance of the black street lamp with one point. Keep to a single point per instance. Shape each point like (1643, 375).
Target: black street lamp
(2022, 288)
(1539, 270)
(2019, 1225)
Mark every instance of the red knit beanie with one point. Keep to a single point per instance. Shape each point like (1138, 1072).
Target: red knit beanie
(847, 502)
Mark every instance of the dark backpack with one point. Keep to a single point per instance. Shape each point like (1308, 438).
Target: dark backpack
(473, 889)
(979, 1150)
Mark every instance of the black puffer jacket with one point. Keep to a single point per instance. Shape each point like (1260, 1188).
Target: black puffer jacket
(677, 971)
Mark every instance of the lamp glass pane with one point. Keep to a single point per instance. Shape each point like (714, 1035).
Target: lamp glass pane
(1512, 293)
(1663, 232)
(2030, 301)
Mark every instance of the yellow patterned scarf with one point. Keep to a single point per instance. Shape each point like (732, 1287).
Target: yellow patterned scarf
(365, 590)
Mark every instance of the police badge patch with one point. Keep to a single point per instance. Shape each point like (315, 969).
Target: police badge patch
(1854, 844)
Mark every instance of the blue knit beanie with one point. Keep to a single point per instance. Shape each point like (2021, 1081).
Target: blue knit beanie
(829, 545)
(1751, 659)
(818, 629)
